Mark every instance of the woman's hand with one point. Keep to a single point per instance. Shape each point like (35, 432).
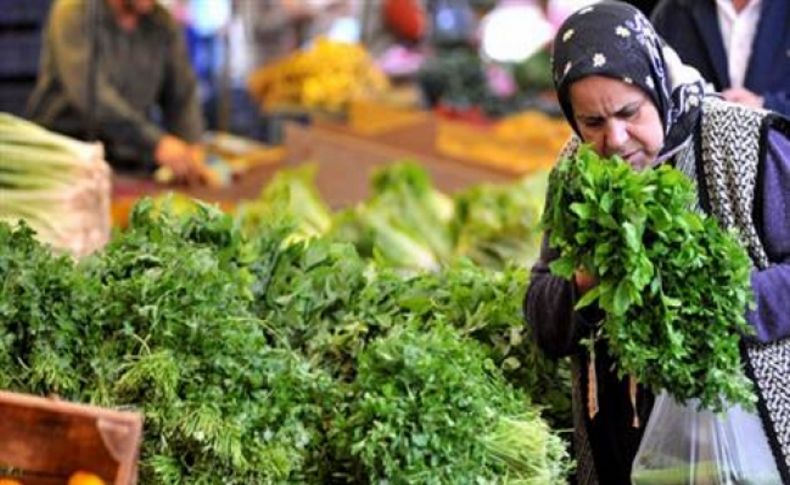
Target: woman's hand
(583, 280)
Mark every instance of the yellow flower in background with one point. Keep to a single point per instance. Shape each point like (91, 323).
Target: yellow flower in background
(327, 76)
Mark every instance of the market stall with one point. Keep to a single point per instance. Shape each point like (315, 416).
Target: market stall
(245, 250)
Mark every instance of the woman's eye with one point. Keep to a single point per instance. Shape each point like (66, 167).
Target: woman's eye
(629, 112)
(594, 123)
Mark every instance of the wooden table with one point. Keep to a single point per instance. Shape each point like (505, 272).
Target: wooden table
(346, 162)
(128, 188)
(347, 159)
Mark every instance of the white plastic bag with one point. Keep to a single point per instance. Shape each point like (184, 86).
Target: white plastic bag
(684, 446)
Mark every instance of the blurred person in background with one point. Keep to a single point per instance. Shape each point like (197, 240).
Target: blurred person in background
(271, 29)
(741, 46)
(142, 73)
(206, 23)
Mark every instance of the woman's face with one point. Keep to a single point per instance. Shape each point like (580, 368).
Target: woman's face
(617, 119)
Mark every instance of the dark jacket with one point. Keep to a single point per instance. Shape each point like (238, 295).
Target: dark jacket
(691, 27)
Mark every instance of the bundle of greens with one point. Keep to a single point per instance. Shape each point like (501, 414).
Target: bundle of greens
(44, 304)
(486, 306)
(313, 287)
(674, 286)
(214, 388)
(496, 225)
(291, 197)
(59, 186)
(429, 407)
(404, 223)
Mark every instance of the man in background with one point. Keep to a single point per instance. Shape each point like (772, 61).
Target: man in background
(741, 46)
(147, 110)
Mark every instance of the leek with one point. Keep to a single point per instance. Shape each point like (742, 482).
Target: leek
(58, 185)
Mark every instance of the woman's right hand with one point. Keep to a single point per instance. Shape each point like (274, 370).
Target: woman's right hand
(583, 280)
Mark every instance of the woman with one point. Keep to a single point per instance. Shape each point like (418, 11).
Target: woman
(626, 94)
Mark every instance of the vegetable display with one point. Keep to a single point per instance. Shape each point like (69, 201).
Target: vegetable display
(252, 357)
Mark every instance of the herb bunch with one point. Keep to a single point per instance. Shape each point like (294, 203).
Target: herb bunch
(430, 407)
(675, 287)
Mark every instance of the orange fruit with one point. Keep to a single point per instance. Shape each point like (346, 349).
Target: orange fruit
(9, 481)
(84, 478)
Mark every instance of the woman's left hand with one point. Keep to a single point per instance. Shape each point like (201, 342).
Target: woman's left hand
(584, 281)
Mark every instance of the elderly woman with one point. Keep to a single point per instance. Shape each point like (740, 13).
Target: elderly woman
(627, 94)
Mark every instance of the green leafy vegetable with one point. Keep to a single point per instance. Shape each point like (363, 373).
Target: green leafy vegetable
(290, 197)
(497, 225)
(674, 286)
(430, 408)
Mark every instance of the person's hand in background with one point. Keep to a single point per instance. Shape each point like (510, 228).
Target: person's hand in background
(201, 169)
(181, 162)
(743, 96)
(176, 155)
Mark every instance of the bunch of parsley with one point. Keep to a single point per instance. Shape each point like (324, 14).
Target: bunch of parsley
(429, 407)
(675, 286)
(45, 304)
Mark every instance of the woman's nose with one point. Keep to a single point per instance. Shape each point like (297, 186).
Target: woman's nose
(616, 136)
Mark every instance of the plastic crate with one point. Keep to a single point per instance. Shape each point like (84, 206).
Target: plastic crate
(24, 12)
(19, 53)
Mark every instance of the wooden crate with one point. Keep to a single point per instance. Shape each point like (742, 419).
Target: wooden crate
(48, 440)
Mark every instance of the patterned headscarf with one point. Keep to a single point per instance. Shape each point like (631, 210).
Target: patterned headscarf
(616, 40)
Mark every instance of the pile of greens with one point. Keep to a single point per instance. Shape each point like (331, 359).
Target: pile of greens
(160, 321)
(246, 354)
(430, 408)
(675, 286)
